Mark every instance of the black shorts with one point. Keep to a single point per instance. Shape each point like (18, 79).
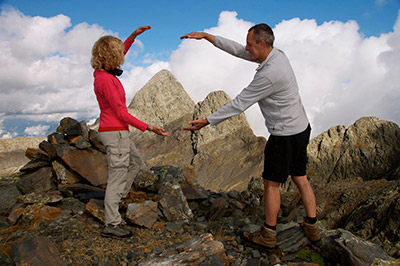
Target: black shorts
(286, 155)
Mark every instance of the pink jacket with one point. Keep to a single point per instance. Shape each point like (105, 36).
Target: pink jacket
(111, 97)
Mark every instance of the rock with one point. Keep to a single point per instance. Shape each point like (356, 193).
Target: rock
(16, 213)
(89, 163)
(42, 197)
(70, 127)
(192, 252)
(57, 138)
(381, 262)
(143, 214)
(193, 191)
(9, 196)
(290, 237)
(5, 260)
(48, 148)
(38, 181)
(378, 216)
(172, 203)
(156, 103)
(64, 175)
(34, 165)
(80, 142)
(34, 153)
(369, 149)
(147, 180)
(95, 140)
(78, 188)
(218, 208)
(213, 169)
(96, 208)
(85, 130)
(35, 214)
(205, 150)
(36, 251)
(72, 206)
(347, 249)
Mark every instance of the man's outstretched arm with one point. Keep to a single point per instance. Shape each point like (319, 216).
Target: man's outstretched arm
(199, 36)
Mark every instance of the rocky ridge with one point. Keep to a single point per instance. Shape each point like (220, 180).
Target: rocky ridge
(12, 153)
(55, 206)
(53, 212)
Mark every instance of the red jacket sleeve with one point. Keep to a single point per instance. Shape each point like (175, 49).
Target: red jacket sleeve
(127, 43)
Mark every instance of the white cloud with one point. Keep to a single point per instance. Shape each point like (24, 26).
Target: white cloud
(46, 66)
(36, 131)
(341, 74)
(46, 74)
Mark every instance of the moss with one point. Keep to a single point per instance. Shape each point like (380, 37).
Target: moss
(310, 256)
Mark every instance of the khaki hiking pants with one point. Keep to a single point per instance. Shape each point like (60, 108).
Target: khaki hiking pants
(124, 163)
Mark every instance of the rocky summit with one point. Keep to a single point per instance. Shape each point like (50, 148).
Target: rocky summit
(164, 102)
(199, 191)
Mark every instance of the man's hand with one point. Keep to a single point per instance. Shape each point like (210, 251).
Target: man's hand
(197, 124)
(139, 31)
(158, 130)
(199, 36)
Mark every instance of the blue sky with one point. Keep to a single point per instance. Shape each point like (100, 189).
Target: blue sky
(344, 54)
(171, 19)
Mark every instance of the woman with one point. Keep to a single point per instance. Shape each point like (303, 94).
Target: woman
(123, 159)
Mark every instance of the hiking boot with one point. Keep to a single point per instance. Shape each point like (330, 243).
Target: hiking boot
(115, 231)
(312, 231)
(263, 238)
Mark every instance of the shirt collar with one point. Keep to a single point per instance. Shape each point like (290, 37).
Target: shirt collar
(270, 55)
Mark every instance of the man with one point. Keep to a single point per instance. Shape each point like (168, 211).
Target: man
(274, 88)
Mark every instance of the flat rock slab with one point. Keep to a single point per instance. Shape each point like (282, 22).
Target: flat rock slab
(36, 251)
(89, 163)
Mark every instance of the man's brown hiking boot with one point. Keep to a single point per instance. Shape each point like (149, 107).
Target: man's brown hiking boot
(263, 238)
(312, 231)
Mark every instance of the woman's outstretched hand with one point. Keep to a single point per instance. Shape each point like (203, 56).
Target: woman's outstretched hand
(158, 130)
(139, 31)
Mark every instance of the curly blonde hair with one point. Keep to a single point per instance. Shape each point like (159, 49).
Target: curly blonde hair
(107, 53)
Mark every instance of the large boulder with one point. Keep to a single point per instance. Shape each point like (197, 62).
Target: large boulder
(377, 217)
(370, 149)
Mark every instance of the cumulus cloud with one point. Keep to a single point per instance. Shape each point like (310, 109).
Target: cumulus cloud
(341, 74)
(45, 65)
(46, 75)
(45, 72)
(36, 131)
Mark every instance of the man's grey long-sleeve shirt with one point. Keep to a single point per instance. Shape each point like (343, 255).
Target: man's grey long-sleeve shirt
(274, 88)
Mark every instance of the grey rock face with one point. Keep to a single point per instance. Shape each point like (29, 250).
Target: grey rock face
(164, 102)
(143, 214)
(173, 203)
(370, 148)
(348, 249)
(227, 155)
(193, 252)
(380, 215)
(8, 198)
